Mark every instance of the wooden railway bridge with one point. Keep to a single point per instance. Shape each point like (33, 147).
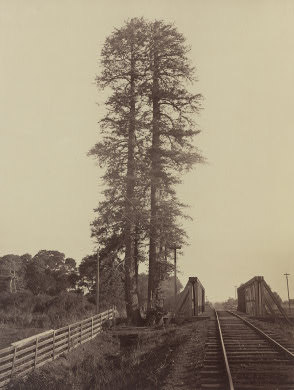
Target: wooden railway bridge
(190, 302)
(256, 298)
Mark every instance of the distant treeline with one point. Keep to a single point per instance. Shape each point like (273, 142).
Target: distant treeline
(52, 290)
(49, 272)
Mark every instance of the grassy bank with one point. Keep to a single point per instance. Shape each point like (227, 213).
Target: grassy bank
(101, 364)
(24, 314)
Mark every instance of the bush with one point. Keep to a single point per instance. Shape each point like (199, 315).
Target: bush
(42, 302)
(43, 311)
(16, 308)
(15, 316)
(69, 307)
(22, 300)
(40, 320)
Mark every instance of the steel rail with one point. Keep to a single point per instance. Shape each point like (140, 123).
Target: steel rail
(229, 376)
(264, 335)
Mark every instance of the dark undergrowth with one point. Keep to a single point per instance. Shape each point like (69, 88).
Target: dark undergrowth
(101, 365)
(25, 310)
(153, 366)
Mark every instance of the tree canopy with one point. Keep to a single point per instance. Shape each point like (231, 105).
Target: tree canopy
(147, 144)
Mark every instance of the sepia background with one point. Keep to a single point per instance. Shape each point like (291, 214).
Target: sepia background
(241, 199)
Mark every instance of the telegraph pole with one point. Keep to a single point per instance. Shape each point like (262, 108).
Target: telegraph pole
(288, 291)
(236, 292)
(97, 283)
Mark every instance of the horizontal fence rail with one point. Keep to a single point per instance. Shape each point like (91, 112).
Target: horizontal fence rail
(25, 355)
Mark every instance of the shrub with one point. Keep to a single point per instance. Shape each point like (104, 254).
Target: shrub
(23, 300)
(42, 302)
(41, 320)
(69, 307)
(44, 311)
(15, 316)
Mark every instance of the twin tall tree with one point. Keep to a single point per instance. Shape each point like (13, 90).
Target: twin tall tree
(146, 145)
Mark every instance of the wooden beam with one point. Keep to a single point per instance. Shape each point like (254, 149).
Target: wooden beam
(282, 311)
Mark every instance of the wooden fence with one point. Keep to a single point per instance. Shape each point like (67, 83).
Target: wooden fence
(27, 354)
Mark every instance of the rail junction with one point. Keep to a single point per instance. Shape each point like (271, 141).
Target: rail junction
(240, 356)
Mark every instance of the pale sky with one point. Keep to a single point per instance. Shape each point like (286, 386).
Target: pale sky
(241, 200)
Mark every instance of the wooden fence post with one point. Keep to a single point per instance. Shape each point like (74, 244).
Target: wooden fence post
(54, 344)
(36, 352)
(98, 323)
(113, 315)
(114, 310)
(13, 362)
(51, 343)
(68, 348)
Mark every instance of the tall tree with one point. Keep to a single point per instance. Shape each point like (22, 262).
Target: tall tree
(123, 65)
(173, 128)
(147, 142)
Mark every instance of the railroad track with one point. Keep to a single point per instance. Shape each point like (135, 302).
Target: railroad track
(240, 356)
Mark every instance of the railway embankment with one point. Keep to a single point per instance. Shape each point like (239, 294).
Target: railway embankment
(177, 356)
(162, 358)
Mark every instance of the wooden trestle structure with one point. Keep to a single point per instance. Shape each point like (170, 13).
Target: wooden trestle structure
(257, 299)
(191, 301)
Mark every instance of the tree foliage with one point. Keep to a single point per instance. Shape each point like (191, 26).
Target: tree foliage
(14, 265)
(111, 280)
(49, 272)
(146, 146)
(167, 288)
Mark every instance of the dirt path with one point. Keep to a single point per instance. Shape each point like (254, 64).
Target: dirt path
(184, 372)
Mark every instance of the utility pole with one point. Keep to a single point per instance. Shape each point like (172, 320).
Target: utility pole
(236, 292)
(175, 270)
(288, 291)
(97, 283)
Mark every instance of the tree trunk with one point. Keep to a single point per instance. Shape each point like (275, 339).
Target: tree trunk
(131, 290)
(154, 246)
(136, 252)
